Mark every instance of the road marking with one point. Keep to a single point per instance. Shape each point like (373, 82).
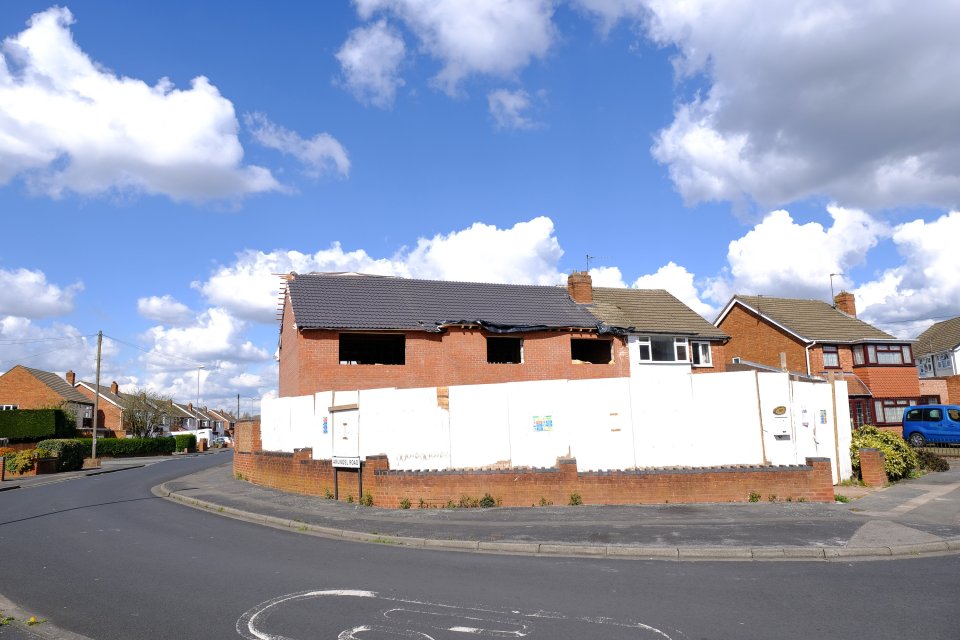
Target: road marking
(913, 503)
(416, 620)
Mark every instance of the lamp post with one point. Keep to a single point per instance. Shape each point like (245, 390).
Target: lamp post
(197, 408)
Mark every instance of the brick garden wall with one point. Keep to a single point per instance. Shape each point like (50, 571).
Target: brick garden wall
(299, 473)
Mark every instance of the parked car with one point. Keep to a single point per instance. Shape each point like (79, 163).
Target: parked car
(937, 423)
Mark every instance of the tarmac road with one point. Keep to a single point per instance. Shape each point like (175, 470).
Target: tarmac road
(103, 557)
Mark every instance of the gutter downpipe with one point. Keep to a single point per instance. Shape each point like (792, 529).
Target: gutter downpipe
(807, 353)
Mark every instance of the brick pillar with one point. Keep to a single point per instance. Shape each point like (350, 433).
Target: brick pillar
(821, 481)
(871, 468)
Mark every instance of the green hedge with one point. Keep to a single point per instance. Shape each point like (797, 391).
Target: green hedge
(186, 441)
(899, 459)
(70, 453)
(24, 425)
(126, 447)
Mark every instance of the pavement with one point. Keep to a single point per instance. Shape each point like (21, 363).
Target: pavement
(911, 518)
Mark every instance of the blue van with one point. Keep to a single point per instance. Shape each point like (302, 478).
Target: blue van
(935, 423)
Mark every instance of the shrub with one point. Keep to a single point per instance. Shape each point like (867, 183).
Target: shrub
(487, 501)
(754, 496)
(366, 500)
(69, 453)
(20, 462)
(7, 451)
(404, 503)
(575, 500)
(129, 447)
(929, 461)
(899, 458)
(25, 425)
(185, 441)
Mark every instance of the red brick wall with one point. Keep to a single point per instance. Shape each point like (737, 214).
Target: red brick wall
(845, 353)
(891, 382)
(953, 389)
(455, 357)
(19, 387)
(289, 352)
(298, 473)
(757, 341)
(935, 387)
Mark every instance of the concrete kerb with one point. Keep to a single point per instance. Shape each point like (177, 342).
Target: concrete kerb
(688, 553)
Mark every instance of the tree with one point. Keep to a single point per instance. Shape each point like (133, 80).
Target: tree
(144, 412)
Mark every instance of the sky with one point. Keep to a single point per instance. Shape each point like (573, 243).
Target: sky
(161, 163)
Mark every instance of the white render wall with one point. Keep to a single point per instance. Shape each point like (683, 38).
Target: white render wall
(662, 415)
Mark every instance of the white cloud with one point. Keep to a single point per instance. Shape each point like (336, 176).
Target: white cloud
(679, 282)
(69, 124)
(926, 285)
(780, 257)
(320, 154)
(165, 309)
(27, 294)
(528, 253)
(609, 12)
(370, 60)
(56, 348)
(607, 277)
(215, 336)
(855, 101)
(495, 37)
(508, 109)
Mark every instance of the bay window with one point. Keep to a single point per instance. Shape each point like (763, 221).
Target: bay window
(891, 411)
(882, 354)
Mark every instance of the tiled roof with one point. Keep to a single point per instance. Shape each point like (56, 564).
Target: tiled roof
(59, 385)
(814, 320)
(105, 392)
(324, 301)
(943, 336)
(652, 310)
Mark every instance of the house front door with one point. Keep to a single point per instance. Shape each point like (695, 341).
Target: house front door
(860, 412)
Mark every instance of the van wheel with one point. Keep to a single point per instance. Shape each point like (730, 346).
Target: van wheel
(917, 440)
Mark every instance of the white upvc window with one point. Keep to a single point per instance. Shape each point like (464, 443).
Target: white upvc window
(944, 364)
(8, 407)
(662, 349)
(700, 354)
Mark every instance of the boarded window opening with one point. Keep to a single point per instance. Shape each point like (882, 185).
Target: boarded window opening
(591, 351)
(504, 350)
(361, 348)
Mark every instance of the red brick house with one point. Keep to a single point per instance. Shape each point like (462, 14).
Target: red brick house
(26, 388)
(938, 359)
(110, 407)
(818, 339)
(352, 332)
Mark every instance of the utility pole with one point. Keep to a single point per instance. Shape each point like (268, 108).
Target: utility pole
(96, 398)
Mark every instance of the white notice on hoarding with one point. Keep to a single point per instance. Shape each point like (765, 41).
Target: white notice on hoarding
(346, 462)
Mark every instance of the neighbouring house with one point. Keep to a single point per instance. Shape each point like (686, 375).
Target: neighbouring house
(181, 418)
(26, 388)
(110, 408)
(938, 360)
(223, 422)
(816, 338)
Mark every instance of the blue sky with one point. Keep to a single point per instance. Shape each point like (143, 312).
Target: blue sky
(159, 162)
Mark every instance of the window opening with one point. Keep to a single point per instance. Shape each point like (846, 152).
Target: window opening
(831, 357)
(700, 352)
(663, 349)
(376, 348)
(591, 351)
(504, 350)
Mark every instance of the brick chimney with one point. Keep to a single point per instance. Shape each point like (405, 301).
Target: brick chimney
(71, 378)
(580, 287)
(845, 302)
(114, 388)
(190, 407)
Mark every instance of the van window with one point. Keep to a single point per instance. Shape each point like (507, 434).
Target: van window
(914, 414)
(954, 414)
(932, 415)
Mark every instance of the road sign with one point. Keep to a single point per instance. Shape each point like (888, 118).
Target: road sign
(346, 462)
